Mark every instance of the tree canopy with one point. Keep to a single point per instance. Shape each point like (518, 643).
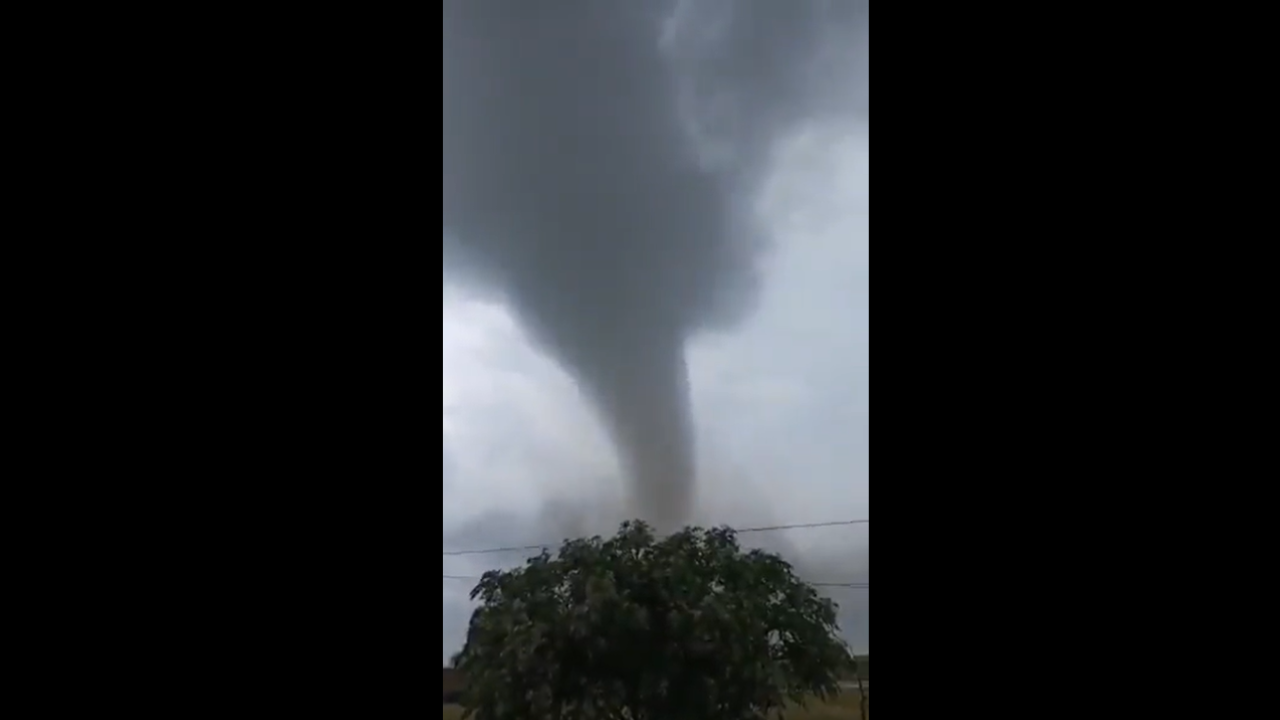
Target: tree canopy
(636, 627)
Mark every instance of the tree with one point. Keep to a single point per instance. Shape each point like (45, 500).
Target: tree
(644, 629)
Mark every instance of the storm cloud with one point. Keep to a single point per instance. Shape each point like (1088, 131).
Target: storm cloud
(597, 159)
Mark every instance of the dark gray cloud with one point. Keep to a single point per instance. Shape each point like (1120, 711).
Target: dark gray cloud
(576, 178)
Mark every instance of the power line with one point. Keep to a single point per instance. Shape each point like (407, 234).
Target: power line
(744, 531)
(806, 526)
(497, 551)
(844, 586)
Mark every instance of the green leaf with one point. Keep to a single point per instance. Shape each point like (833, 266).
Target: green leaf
(686, 627)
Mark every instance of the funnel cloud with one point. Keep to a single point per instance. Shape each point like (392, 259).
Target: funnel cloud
(596, 158)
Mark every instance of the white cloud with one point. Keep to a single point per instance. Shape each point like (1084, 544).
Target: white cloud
(514, 428)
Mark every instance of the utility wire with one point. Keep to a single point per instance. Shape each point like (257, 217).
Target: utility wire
(843, 586)
(744, 531)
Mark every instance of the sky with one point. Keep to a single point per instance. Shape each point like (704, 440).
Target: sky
(781, 402)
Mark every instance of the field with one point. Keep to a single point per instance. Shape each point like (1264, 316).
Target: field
(845, 708)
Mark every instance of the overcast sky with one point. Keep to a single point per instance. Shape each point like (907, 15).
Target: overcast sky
(781, 404)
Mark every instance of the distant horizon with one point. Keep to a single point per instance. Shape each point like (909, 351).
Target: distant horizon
(858, 656)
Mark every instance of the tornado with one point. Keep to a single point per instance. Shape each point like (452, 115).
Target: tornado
(577, 179)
